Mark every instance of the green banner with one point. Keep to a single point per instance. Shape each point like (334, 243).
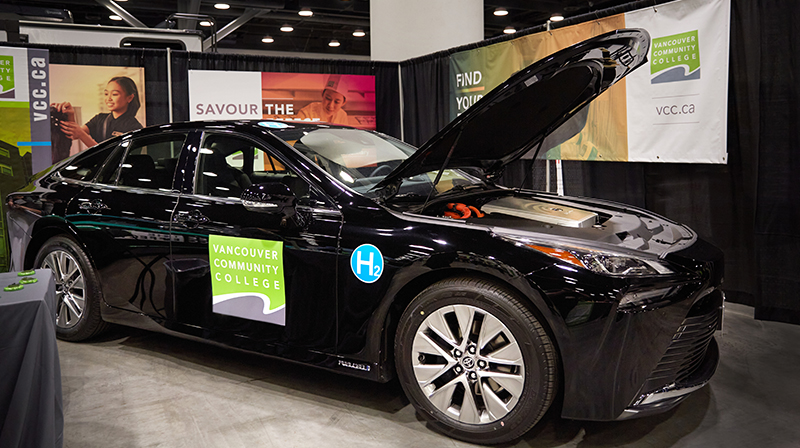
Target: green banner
(24, 128)
(6, 73)
(247, 278)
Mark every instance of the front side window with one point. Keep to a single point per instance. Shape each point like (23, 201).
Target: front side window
(228, 164)
(150, 162)
(86, 165)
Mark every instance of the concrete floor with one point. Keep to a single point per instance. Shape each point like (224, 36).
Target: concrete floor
(133, 388)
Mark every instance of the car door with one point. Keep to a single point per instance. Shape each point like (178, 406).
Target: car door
(124, 218)
(246, 273)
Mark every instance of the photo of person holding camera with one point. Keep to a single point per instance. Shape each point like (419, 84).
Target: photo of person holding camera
(122, 99)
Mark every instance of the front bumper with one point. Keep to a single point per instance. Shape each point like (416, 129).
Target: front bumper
(688, 364)
(668, 397)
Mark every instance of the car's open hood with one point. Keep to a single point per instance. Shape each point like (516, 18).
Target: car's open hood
(516, 115)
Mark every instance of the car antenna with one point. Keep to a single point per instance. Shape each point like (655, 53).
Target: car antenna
(441, 170)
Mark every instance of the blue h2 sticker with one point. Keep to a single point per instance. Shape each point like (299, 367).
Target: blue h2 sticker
(274, 124)
(367, 263)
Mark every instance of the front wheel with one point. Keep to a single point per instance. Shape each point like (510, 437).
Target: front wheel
(78, 294)
(474, 361)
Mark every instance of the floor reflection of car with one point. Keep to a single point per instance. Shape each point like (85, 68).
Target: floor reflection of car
(352, 251)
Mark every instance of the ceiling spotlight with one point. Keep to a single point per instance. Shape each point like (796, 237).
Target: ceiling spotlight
(501, 12)
(222, 6)
(359, 33)
(286, 28)
(556, 17)
(333, 43)
(268, 39)
(115, 17)
(205, 23)
(509, 30)
(306, 12)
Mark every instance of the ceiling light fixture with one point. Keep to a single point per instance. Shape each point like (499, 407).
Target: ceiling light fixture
(205, 23)
(333, 43)
(115, 17)
(509, 30)
(556, 17)
(222, 6)
(501, 12)
(268, 39)
(286, 28)
(306, 12)
(359, 33)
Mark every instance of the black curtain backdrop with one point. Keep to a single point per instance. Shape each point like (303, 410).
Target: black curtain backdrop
(426, 110)
(766, 81)
(749, 207)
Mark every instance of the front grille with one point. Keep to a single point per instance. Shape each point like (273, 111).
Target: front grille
(688, 348)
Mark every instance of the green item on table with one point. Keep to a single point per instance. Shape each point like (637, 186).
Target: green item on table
(13, 287)
(26, 273)
(28, 280)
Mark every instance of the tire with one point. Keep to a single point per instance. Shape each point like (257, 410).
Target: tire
(474, 361)
(78, 293)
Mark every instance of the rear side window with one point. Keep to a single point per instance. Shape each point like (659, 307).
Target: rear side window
(86, 165)
(151, 161)
(229, 164)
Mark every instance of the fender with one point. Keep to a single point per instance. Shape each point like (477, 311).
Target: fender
(46, 228)
(413, 279)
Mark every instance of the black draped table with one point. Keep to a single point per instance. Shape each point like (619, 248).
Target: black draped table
(30, 375)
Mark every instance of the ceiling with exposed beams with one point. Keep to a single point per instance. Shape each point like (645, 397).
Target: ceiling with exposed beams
(331, 19)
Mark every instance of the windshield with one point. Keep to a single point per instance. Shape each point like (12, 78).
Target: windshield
(361, 159)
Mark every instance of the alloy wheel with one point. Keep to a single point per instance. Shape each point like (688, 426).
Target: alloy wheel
(70, 287)
(468, 364)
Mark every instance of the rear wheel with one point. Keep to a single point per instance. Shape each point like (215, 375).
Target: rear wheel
(78, 294)
(474, 361)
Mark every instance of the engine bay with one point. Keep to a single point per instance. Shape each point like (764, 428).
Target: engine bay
(569, 217)
(528, 209)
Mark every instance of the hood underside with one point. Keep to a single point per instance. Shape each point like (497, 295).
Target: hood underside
(519, 113)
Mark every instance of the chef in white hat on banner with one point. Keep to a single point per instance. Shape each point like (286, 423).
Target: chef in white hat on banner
(334, 97)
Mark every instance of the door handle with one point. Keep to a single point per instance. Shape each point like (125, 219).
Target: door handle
(191, 219)
(94, 206)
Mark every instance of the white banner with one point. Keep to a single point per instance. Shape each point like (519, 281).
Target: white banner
(224, 95)
(673, 109)
(677, 104)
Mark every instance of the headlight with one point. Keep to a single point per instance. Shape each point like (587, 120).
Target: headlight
(601, 262)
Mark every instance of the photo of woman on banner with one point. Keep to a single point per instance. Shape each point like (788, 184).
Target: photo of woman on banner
(334, 97)
(121, 96)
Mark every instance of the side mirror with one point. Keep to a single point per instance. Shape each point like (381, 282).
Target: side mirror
(270, 197)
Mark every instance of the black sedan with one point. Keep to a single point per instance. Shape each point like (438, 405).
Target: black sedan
(352, 251)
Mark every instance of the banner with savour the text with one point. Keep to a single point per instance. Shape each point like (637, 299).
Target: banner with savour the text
(329, 98)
